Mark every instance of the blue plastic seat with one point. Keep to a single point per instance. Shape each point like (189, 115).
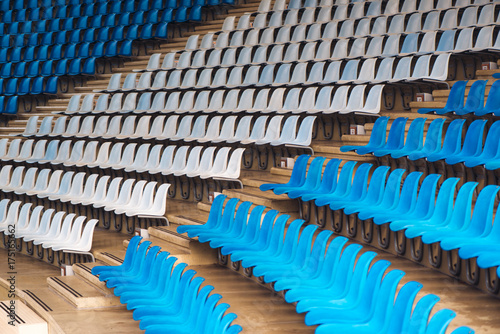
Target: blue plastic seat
(414, 139)
(473, 143)
(475, 98)
(213, 219)
(24, 86)
(259, 235)
(12, 106)
(127, 261)
(296, 179)
(491, 149)
(311, 181)
(426, 211)
(343, 184)
(37, 86)
(392, 197)
(395, 139)
(455, 100)
(327, 185)
(409, 205)
(492, 105)
(377, 138)
(10, 87)
(432, 143)
(452, 142)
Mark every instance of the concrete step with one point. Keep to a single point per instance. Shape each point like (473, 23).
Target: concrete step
(80, 294)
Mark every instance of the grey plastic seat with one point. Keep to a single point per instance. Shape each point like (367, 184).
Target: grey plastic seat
(299, 75)
(450, 19)
(153, 63)
(391, 47)
(114, 127)
(350, 72)
(258, 130)
(379, 26)
(322, 101)
(346, 29)
(63, 153)
(283, 35)
(129, 83)
(403, 69)
(373, 102)
(397, 24)
(446, 41)
(144, 103)
(216, 102)
(166, 160)
(169, 60)
(414, 23)
(45, 127)
(358, 48)
(314, 32)
(272, 131)
(231, 101)
(410, 44)
(114, 83)
(374, 48)
(464, 40)
(332, 72)
(227, 131)
(356, 100)
(73, 104)
(340, 49)
(324, 51)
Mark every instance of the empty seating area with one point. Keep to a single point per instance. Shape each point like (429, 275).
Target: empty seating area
(260, 166)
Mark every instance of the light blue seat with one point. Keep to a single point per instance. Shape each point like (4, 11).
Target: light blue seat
(473, 143)
(361, 303)
(432, 141)
(327, 185)
(359, 188)
(492, 105)
(392, 197)
(127, 261)
(395, 139)
(414, 139)
(452, 142)
(296, 179)
(428, 211)
(491, 149)
(346, 183)
(377, 194)
(377, 138)
(311, 182)
(387, 318)
(455, 100)
(213, 219)
(475, 98)
(462, 219)
(411, 206)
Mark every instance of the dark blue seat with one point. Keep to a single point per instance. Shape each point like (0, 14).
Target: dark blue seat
(12, 106)
(47, 68)
(10, 87)
(19, 70)
(51, 87)
(61, 67)
(37, 85)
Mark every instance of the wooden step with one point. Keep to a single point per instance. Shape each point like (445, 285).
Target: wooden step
(279, 202)
(80, 294)
(18, 318)
(84, 271)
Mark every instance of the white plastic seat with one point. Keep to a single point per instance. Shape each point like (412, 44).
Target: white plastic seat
(73, 104)
(57, 228)
(100, 128)
(28, 182)
(287, 133)
(192, 42)
(128, 128)
(129, 83)
(339, 100)
(126, 159)
(156, 209)
(87, 104)
(232, 168)
(350, 72)
(379, 26)
(179, 160)
(464, 40)
(140, 200)
(450, 19)
(37, 154)
(88, 189)
(13, 151)
(272, 131)
(100, 192)
(332, 72)
(243, 22)
(9, 214)
(373, 101)
(170, 128)
(219, 165)
(41, 184)
(114, 157)
(198, 59)
(186, 104)
(235, 77)
(153, 63)
(172, 103)
(323, 101)
(130, 194)
(76, 190)
(214, 59)
(421, 68)
(35, 220)
(113, 84)
(20, 222)
(115, 104)
(174, 79)
(242, 130)
(226, 131)
(229, 58)
(192, 162)
(314, 32)
(83, 240)
(484, 39)
(45, 227)
(384, 70)
(114, 127)
(304, 133)
(230, 101)
(111, 194)
(212, 132)
(216, 102)
(206, 162)
(440, 68)
(356, 100)
(53, 186)
(159, 81)
(45, 126)
(63, 154)
(24, 153)
(153, 159)
(64, 187)
(198, 130)
(86, 127)
(89, 154)
(59, 127)
(166, 160)
(169, 60)
(397, 24)
(403, 69)
(31, 128)
(140, 158)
